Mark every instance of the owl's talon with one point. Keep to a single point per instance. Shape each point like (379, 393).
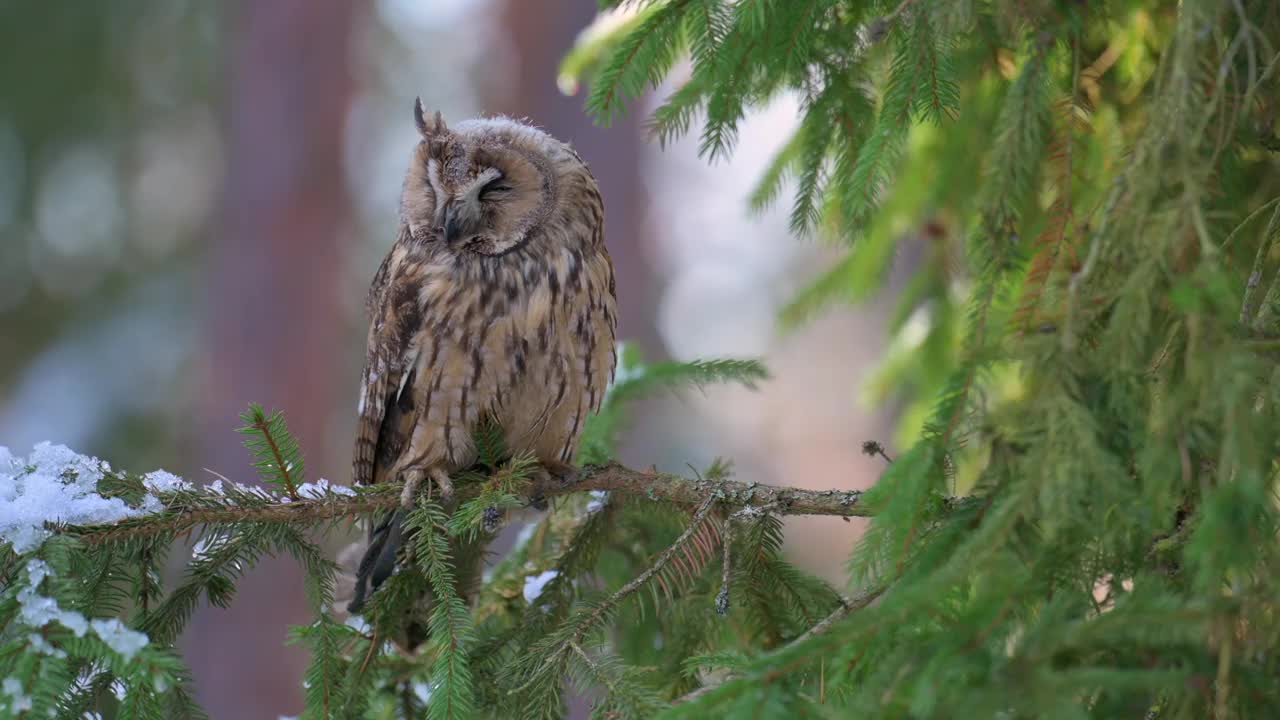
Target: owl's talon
(445, 485)
(412, 480)
(541, 477)
(561, 472)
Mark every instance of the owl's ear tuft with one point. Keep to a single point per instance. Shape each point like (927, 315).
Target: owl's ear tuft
(432, 127)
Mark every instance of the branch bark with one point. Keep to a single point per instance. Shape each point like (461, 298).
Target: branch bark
(778, 499)
(611, 477)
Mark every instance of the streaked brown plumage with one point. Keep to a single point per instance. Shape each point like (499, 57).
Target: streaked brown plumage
(497, 299)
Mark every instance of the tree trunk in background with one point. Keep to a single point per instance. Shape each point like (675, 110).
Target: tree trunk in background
(271, 314)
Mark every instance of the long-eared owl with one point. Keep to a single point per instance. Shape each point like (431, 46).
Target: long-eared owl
(496, 302)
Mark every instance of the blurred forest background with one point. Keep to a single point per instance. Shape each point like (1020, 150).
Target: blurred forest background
(194, 197)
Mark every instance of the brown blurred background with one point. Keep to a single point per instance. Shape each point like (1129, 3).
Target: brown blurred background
(194, 197)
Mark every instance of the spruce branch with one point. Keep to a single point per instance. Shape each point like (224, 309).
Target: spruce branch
(1255, 275)
(277, 457)
(657, 486)
(847, 606)
(624, 696)
(450, 623)
(611, 477)
(380, 497)
(699, 517)
(582, 654)
(572, 632)
(1257, 318)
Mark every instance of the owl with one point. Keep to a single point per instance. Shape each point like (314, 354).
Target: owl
(495, 304)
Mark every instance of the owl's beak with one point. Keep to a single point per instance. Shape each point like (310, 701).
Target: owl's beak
(452, 228)
(461, 221)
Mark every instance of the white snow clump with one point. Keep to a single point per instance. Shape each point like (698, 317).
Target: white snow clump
(53, 485)
(533, 584)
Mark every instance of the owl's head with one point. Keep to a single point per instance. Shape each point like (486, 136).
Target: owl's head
(484, 186)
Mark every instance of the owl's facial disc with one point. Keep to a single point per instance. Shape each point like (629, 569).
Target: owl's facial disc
(493, 211)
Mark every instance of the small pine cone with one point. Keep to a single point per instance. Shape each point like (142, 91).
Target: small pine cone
(492, 516)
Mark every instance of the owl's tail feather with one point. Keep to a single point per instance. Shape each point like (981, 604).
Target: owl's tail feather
(385, 538)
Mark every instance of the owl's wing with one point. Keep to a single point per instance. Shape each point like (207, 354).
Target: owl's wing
(383, 424)
(604, 318)
(437, 365)
(594, 326)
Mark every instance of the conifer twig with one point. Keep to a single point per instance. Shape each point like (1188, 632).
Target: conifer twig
(902, 6)
(585, 626)
(699, 517)
(726, 568)
(263, 425)
(591, 664)
(847, 606)
(1259, 260)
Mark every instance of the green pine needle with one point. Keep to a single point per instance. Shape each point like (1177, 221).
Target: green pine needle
(275, 450)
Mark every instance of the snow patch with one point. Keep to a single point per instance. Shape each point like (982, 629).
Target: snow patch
(598, 499)
(20, 702)
(161, 481)
(318, 490)
(534, 584)
(118, 637)
(422, 691)
(525, 534)
(222, 487)
(36, 611)
(207, 544)
(53, 485)
(42, 646)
